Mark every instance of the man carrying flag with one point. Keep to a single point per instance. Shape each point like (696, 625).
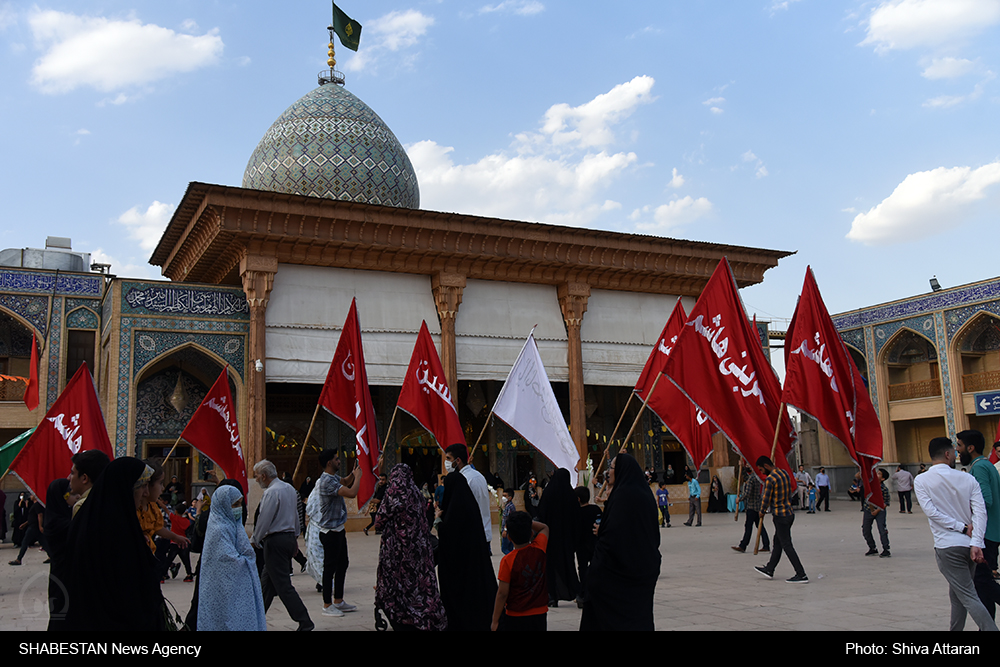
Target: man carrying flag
(73, 424)
(346, 396)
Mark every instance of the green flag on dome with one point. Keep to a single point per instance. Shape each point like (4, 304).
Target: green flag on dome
(346, 28)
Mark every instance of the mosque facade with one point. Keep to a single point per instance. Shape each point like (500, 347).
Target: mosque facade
(261, 278)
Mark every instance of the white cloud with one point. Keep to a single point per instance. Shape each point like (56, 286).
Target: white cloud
(714, 101)
(947, 68)
(677, 180)
(589, 125)
(778, 5)
(947, 101)
(393, 32)
(926, 203)
(677, 213)
(190, 25)
(760, 171)
(120, 98)
(147, 228)
(110, 54)
(648, 30)
(907, 24)
(554, 175)
(520, 7)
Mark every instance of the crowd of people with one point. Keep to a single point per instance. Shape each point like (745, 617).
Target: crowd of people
(117, 521)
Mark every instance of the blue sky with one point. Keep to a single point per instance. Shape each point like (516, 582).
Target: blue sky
(862, 135)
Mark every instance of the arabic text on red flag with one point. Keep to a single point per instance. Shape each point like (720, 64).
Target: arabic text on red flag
(425, 394)
(73, 424)
(346, 396)
(213, 431)
(718, 363)
(689, 425)
(822, 381)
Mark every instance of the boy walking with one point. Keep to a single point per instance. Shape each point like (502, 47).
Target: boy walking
(522, 594)
(663, 500)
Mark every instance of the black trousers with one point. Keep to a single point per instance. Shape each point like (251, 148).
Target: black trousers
(535, 623)
(824, 498)
(334, 564)
(31, 535)
(277, 578)
(749, 524)
(907, 496)
(783, 544)
(987, 587)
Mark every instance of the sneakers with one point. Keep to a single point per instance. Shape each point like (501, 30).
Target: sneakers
(872, 552)
(174, 569)
(304, 563)
(332, 611)
(798, 579)
(189, 578)
(885, 554)
(765, 550)
(344, 607)
(764, 571)
(742, 550)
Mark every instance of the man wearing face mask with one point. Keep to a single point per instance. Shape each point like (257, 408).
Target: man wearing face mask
(971, 446)
(456, 459)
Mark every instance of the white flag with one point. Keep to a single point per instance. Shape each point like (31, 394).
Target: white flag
(527, 404)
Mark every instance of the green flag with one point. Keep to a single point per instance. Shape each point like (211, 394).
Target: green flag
(9, 451)
(346, 28)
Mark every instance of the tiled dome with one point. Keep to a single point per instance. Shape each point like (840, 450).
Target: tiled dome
(331, 144)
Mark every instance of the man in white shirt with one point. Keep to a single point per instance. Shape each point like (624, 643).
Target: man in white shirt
(803, 480)
(953, 504)
(456, 459)
(904, 484)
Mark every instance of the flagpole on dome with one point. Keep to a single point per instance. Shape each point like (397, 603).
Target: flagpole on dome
(349, 32)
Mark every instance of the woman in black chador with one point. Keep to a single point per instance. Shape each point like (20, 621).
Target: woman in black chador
(559, 510)
(626, 564)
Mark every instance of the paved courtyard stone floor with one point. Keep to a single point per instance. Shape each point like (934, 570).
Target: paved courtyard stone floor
(703, 584)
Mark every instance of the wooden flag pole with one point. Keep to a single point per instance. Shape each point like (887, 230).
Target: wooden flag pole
(388, 433)
(305, 443)
(774, 447)
(739, 480)
(611, 440)
(164, 464)
(639, 416)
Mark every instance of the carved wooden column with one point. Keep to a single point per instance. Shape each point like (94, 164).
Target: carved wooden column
(573, 303)
(257, 272)
(447, 289)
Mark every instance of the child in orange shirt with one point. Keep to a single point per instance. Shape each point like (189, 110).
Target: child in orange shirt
(522, 594)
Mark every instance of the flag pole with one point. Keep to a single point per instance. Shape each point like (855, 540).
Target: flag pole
(172, 450)
(739, 480)
(388, 433)
(298, 465)
(639, 416)
(774, 447)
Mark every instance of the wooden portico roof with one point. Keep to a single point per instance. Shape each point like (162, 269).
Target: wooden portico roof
(215, 225)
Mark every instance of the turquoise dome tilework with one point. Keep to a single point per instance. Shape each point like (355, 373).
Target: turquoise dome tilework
(331, 144)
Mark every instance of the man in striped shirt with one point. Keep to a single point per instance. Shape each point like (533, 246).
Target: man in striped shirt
(777, 488)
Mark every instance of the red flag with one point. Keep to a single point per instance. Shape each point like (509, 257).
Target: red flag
(718, 363)
(31, 393)
(689, 425)
(346, 397)
(425, 394)
(73, 424)
(822, 381)
(213, 431)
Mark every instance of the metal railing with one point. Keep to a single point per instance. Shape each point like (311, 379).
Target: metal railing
(12, 390)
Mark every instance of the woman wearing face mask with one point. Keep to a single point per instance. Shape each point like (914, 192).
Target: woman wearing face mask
(229, 589)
